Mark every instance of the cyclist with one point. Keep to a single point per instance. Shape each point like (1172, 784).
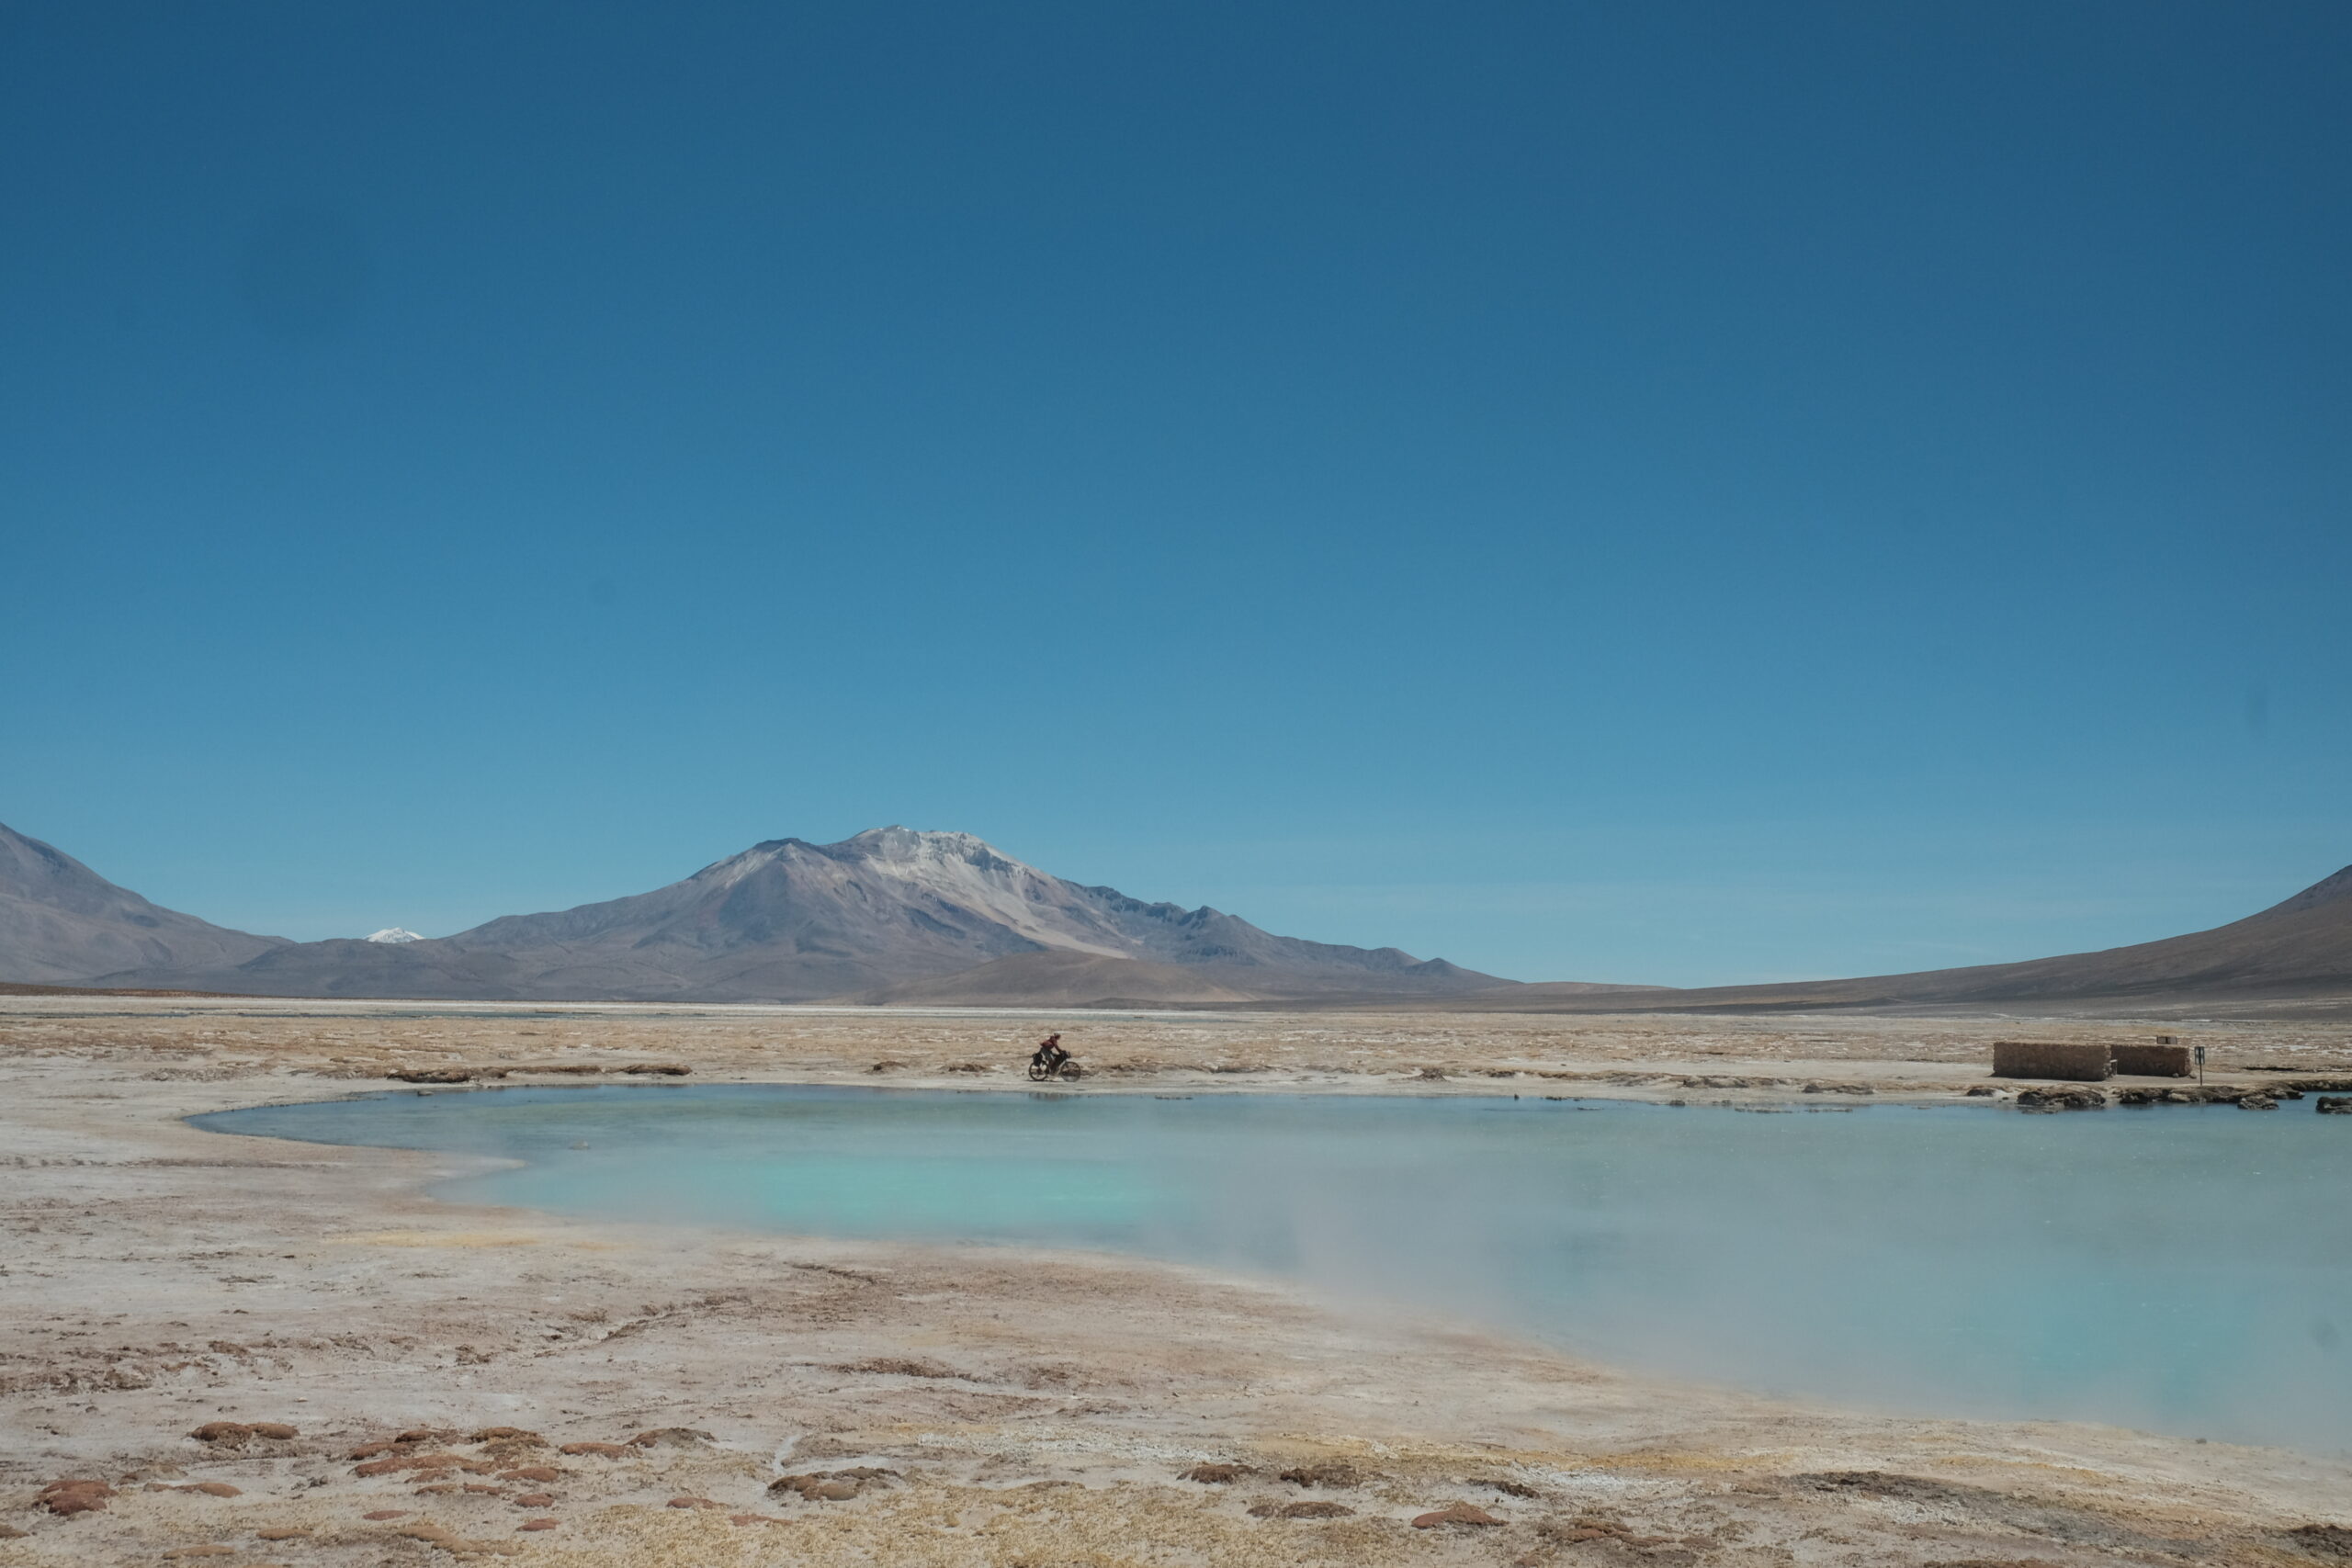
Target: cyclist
(1050, 1055)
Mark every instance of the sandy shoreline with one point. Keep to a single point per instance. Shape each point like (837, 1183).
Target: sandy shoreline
(1034, 1407)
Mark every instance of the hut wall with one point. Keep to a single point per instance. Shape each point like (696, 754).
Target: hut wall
(2051, 1059)
(2152, 1060)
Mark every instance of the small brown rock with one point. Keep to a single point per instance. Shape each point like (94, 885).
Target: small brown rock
(283, 1532)
(536, 1500)
(1460, 1513)
(532, 1472)
(1216, 1475)
(369, 1451)
(276, 1431)
(1332, 1474)
(536, 1525)
(658, 1069)
(223, 1432)
(695, 1503)
(380, 1467)
(381, 1514)
(75, 1497)
(76, 1483)
(605, 1450)
(214, 1489)
(508, 1435)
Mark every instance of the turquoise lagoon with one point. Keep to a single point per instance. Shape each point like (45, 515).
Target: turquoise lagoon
(2179, 1270)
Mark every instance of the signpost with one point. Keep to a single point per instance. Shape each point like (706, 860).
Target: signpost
(2201, 1067)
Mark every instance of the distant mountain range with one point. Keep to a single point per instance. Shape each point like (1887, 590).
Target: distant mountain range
(889, 915)
(897, 917)
(62, 922)
(2294, 958)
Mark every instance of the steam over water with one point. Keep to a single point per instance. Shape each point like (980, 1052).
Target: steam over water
(2182, 1269)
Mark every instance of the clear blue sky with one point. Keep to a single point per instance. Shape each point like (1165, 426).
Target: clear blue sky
(1646, 490)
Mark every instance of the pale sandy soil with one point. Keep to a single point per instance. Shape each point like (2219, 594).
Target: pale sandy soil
(1035, 1409)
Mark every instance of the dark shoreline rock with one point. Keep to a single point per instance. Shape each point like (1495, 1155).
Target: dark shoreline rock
(2067, 1096)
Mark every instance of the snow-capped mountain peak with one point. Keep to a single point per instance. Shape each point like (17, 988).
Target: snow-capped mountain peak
(395, 935)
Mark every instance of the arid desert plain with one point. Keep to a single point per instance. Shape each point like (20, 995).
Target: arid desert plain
(385, 1378)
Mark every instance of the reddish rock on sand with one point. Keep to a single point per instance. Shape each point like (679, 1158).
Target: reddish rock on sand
(1460, 1513)
(536, 1525)
(536, 1500)
(695, 1503)
(532, 1472)
(382, 1513)
(75, 1497)
(605, 1450)
(214, 1489)
(69, 1503)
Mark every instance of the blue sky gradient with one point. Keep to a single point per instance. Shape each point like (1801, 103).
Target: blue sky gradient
(1682, 492)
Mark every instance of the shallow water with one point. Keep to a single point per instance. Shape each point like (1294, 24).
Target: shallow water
(2181, 1269)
